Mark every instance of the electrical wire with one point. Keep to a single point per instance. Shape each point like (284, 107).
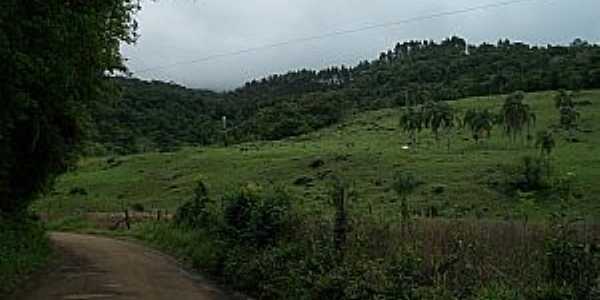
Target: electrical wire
(340, 33)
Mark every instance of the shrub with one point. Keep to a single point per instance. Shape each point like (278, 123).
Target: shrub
(195, 213)
(498, 292)
(256, 217)
(24, 248)
(526, 176)
(138, 207)
(572, 264)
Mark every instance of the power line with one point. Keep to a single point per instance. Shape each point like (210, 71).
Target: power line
(342, 32)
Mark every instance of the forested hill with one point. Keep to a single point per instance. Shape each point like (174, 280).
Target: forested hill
(152, 115)
(160, 116)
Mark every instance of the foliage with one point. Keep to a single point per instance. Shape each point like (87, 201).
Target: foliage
(481, 123)
(545, 142)
(48, 81)
(405, 183)
(568, 113)
(572, 264)
(438, 116)
(516, 115)
(256, 217)
(568, 117)
(411, 121)
(563, 98)
(528, 175)
(195, 213)
(302, 101)
(340, 194)
(498, 292)
(448, 260)
(24, 248)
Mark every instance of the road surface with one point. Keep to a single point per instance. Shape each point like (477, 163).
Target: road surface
(93, 267)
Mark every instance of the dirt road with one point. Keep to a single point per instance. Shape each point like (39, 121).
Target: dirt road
(94, 267)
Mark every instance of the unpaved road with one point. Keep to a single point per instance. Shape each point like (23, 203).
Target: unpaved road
(93, 267)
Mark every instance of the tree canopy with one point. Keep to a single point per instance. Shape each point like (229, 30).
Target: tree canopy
(55, 58)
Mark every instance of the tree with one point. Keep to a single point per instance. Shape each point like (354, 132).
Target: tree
(412, 122)
(546, 143)
(55, 58)
(563, 99)
(404, 184)
(568, 120)
(516, 116)
(480, 123)
(568, 114)
(439, 116)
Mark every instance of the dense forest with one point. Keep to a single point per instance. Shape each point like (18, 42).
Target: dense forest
(156, 116)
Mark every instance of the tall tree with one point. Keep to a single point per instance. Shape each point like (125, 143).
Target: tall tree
(563, 99)
(412, 123)
(516, 115)
(568, 114)
(55, 57)
(439, 116)
(546, 143)
(568, 120)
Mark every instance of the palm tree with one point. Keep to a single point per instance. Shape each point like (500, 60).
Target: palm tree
(546, 143)
(404, 184)
(516, 116)
(562, 99)
(568, 120)
(481, 123)
(412, 122)
(438, 116)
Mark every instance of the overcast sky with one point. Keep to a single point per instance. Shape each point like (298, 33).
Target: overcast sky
(180, 31)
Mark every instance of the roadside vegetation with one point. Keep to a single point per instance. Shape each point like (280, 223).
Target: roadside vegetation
(257, 240)
(24, 248)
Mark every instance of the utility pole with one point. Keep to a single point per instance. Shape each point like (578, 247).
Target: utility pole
(224, 121)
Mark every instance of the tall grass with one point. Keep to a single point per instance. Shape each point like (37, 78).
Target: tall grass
(382, 258)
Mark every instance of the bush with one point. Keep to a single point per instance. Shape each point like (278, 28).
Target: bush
(256, 217)
(256, 245)
(24, 247)
(572, 264)
(138, 207)
(527, 176)
(195, 213)
(498, 292)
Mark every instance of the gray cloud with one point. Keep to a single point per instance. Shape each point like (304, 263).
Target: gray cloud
(173, 31)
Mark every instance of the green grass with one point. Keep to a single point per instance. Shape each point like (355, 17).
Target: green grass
(364, 149)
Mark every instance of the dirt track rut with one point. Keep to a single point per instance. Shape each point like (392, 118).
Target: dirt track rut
(93, 267)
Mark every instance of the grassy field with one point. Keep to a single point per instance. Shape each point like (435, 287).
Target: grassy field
(366, 150)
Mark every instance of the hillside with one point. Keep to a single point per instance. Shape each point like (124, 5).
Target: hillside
(364, 149)
(157, 116)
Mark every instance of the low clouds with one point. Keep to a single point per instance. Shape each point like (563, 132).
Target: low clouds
(175, 31)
